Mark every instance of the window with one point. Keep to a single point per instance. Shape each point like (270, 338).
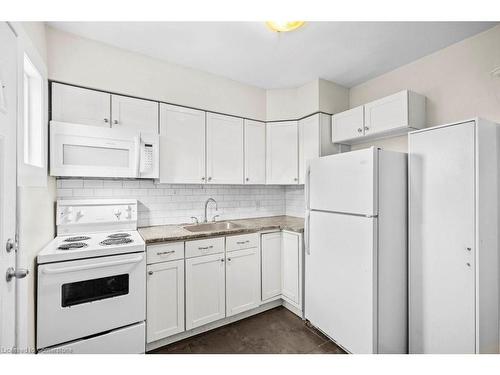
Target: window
(33, 117)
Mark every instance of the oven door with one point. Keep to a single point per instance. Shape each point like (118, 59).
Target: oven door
(89, 151)
(77, 299)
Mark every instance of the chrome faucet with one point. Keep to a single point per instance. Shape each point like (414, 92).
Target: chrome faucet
(206, 206)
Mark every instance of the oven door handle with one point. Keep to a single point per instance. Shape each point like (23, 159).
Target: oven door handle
(54, 271)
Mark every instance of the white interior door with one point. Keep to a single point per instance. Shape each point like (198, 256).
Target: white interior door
(134, 114)
(8, 116)
(182, 145)
(341, 279)
(224, 149)
(442, 260)
(345, 182)
(80, 106)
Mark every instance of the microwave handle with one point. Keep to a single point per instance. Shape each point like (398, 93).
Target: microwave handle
(137, 141)
(54, 271)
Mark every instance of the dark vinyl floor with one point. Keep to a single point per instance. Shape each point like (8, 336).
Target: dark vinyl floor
(276, 331)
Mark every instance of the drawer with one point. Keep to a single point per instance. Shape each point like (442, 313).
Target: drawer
(204, 247)
(245, 241)
(165, 252)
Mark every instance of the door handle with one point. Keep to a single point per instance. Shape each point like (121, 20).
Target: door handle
(307, 233)
(21, 273)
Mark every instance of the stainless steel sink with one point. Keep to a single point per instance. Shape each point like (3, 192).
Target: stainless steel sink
(208, 227)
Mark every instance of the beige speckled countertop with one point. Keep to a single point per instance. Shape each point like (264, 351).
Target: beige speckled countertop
(164, 233)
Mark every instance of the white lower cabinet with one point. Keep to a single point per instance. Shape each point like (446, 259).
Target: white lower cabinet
(271, 265)
(242, 280)
(205, 290)
(165, 299)
(291, 261)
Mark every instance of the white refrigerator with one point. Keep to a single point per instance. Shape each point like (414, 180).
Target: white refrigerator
(356, 249)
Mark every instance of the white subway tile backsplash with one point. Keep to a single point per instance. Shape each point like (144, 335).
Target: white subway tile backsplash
(173, 204)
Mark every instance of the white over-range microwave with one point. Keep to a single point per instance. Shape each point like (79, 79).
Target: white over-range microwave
(92, 151)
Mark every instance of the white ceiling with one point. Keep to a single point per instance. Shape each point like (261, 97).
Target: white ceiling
(344, 52)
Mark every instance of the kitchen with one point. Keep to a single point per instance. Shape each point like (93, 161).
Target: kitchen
(181, 209)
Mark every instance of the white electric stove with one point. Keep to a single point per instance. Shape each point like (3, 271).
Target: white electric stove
(91, 292)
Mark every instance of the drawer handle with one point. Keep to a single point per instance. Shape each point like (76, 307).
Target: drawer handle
(242, 242)
(206, 247)
(166, 252)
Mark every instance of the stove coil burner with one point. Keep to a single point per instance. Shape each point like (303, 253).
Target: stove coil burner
(119, 235)
(115, 241)
(72, 245)
(77, 239)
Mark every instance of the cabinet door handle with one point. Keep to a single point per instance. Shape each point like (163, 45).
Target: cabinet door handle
(228, 259)
(115, 122)
(242, 242)
(210, 179)
(203, 178)
(150, 273)
(366, 128)
(106, 120)
(360, 130)
(166, 252)
(247, 179)
(206, 247)
(222, 260)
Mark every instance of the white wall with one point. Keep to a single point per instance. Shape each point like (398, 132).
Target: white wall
(294, 103)
(81, 61)
(456, 81)
(36, 221)
(175, 204)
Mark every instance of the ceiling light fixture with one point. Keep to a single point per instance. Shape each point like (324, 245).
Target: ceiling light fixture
(284, 26)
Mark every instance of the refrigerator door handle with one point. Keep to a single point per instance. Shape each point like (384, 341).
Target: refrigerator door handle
(307, 189)
(307, 233)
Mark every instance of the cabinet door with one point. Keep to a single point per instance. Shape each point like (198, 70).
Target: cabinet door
(441, 238)
(165, 299)
(308, 143)
(182, 145)
(80, 106)
(290, 255)
(224, 149)
(242, 281)
(205, 290)
(134, 114)
(387, 113)
(255, 152)
(282, 153)
(271, 265)
(348, 125)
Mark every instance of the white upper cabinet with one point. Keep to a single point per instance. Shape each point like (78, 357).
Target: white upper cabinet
(80, 106)
(224, 149)
(255, 152)
(309, 147)
(348, 125)
(403, 110)
(134, 114)
(282, 153)
(182, 145)
(389, 116)
(242, 280)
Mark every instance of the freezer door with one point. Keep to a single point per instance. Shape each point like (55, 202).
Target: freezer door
(340, 279)
(345, 182)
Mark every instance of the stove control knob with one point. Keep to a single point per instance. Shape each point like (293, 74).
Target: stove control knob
(79, 215)
(129, 212)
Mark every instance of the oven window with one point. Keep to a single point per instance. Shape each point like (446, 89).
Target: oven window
(93, 290)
